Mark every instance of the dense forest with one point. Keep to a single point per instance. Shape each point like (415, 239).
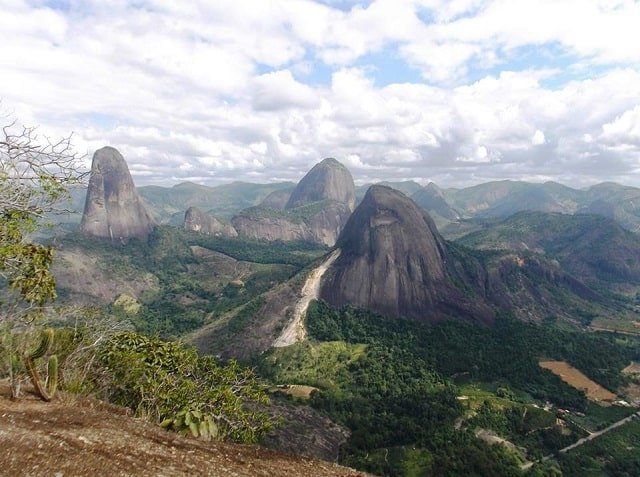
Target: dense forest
(396, 384)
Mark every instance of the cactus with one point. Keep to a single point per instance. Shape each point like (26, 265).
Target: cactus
(45, 343)
(45, 391)
(195, 423)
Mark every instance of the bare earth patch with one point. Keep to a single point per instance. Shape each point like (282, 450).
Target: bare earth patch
(295, 330)
(632, 392)
(295, 390)
(633, 368)
(81, 437)
(575, 378)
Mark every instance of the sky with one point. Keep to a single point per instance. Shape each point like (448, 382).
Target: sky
(456, 92)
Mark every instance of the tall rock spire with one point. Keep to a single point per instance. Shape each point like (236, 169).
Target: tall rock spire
(113, 209)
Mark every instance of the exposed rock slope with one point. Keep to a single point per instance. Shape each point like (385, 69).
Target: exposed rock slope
(113, 209)
(278, 200)
(270, 224)
(197, 221)
(316, 210)
(295, 330)
(328, 179)
(394, 261)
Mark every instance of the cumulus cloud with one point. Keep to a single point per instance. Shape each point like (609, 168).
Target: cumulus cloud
(239, 89)
(624, 129)
(538, 138)
(279, 90)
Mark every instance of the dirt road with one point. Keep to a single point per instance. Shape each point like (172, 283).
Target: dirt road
(590, 437)
(594, 435)
(295, 330)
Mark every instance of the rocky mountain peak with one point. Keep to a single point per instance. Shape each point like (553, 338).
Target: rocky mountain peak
(329, 179)
(113, 209)
(394, 261)
(387, 224)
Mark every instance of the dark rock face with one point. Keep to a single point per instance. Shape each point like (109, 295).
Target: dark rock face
(267, 226)
(328, 179)
(305, 432)
(113, 209)
(393, 261)
(325, 225)
(197, 221)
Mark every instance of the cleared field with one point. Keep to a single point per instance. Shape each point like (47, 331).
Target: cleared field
(575, 378)
(633, 368)
(295, 390)
(626, 326)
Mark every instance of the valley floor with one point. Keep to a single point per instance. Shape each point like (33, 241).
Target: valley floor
(77, 437)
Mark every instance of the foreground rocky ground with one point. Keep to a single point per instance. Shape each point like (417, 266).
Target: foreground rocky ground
(78, 437)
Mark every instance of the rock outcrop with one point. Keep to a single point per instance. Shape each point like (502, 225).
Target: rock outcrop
(270, 224)
(113, 209)
(315, 211)
(325, 224)
(327, 180)
(278, 200)
(197, 221)
(394, 261)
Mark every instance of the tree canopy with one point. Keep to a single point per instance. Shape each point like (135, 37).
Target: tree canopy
(35, 176)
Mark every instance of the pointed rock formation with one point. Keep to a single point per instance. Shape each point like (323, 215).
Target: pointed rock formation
(113, 209)
(316, 210)
(327, 180)
(197, 221)
(394, 261)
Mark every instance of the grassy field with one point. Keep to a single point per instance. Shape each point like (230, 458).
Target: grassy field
(599, 417)
(312, 364)
(631, 325)
(474, 395)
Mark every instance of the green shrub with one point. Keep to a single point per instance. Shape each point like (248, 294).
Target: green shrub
(169, 383)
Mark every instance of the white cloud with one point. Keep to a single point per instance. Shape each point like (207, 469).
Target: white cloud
(234, 89)
(624, 129)
(538, 138)
(279, 90)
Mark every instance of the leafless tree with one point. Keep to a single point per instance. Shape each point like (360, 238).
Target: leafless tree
(36, 174)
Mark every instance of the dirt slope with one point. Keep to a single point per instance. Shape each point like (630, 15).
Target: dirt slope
(79, 437)
(295, 330)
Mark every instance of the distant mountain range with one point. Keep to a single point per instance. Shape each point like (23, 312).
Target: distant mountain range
(449, 208)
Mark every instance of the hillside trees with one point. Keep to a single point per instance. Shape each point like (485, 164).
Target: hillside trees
(35, 176)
